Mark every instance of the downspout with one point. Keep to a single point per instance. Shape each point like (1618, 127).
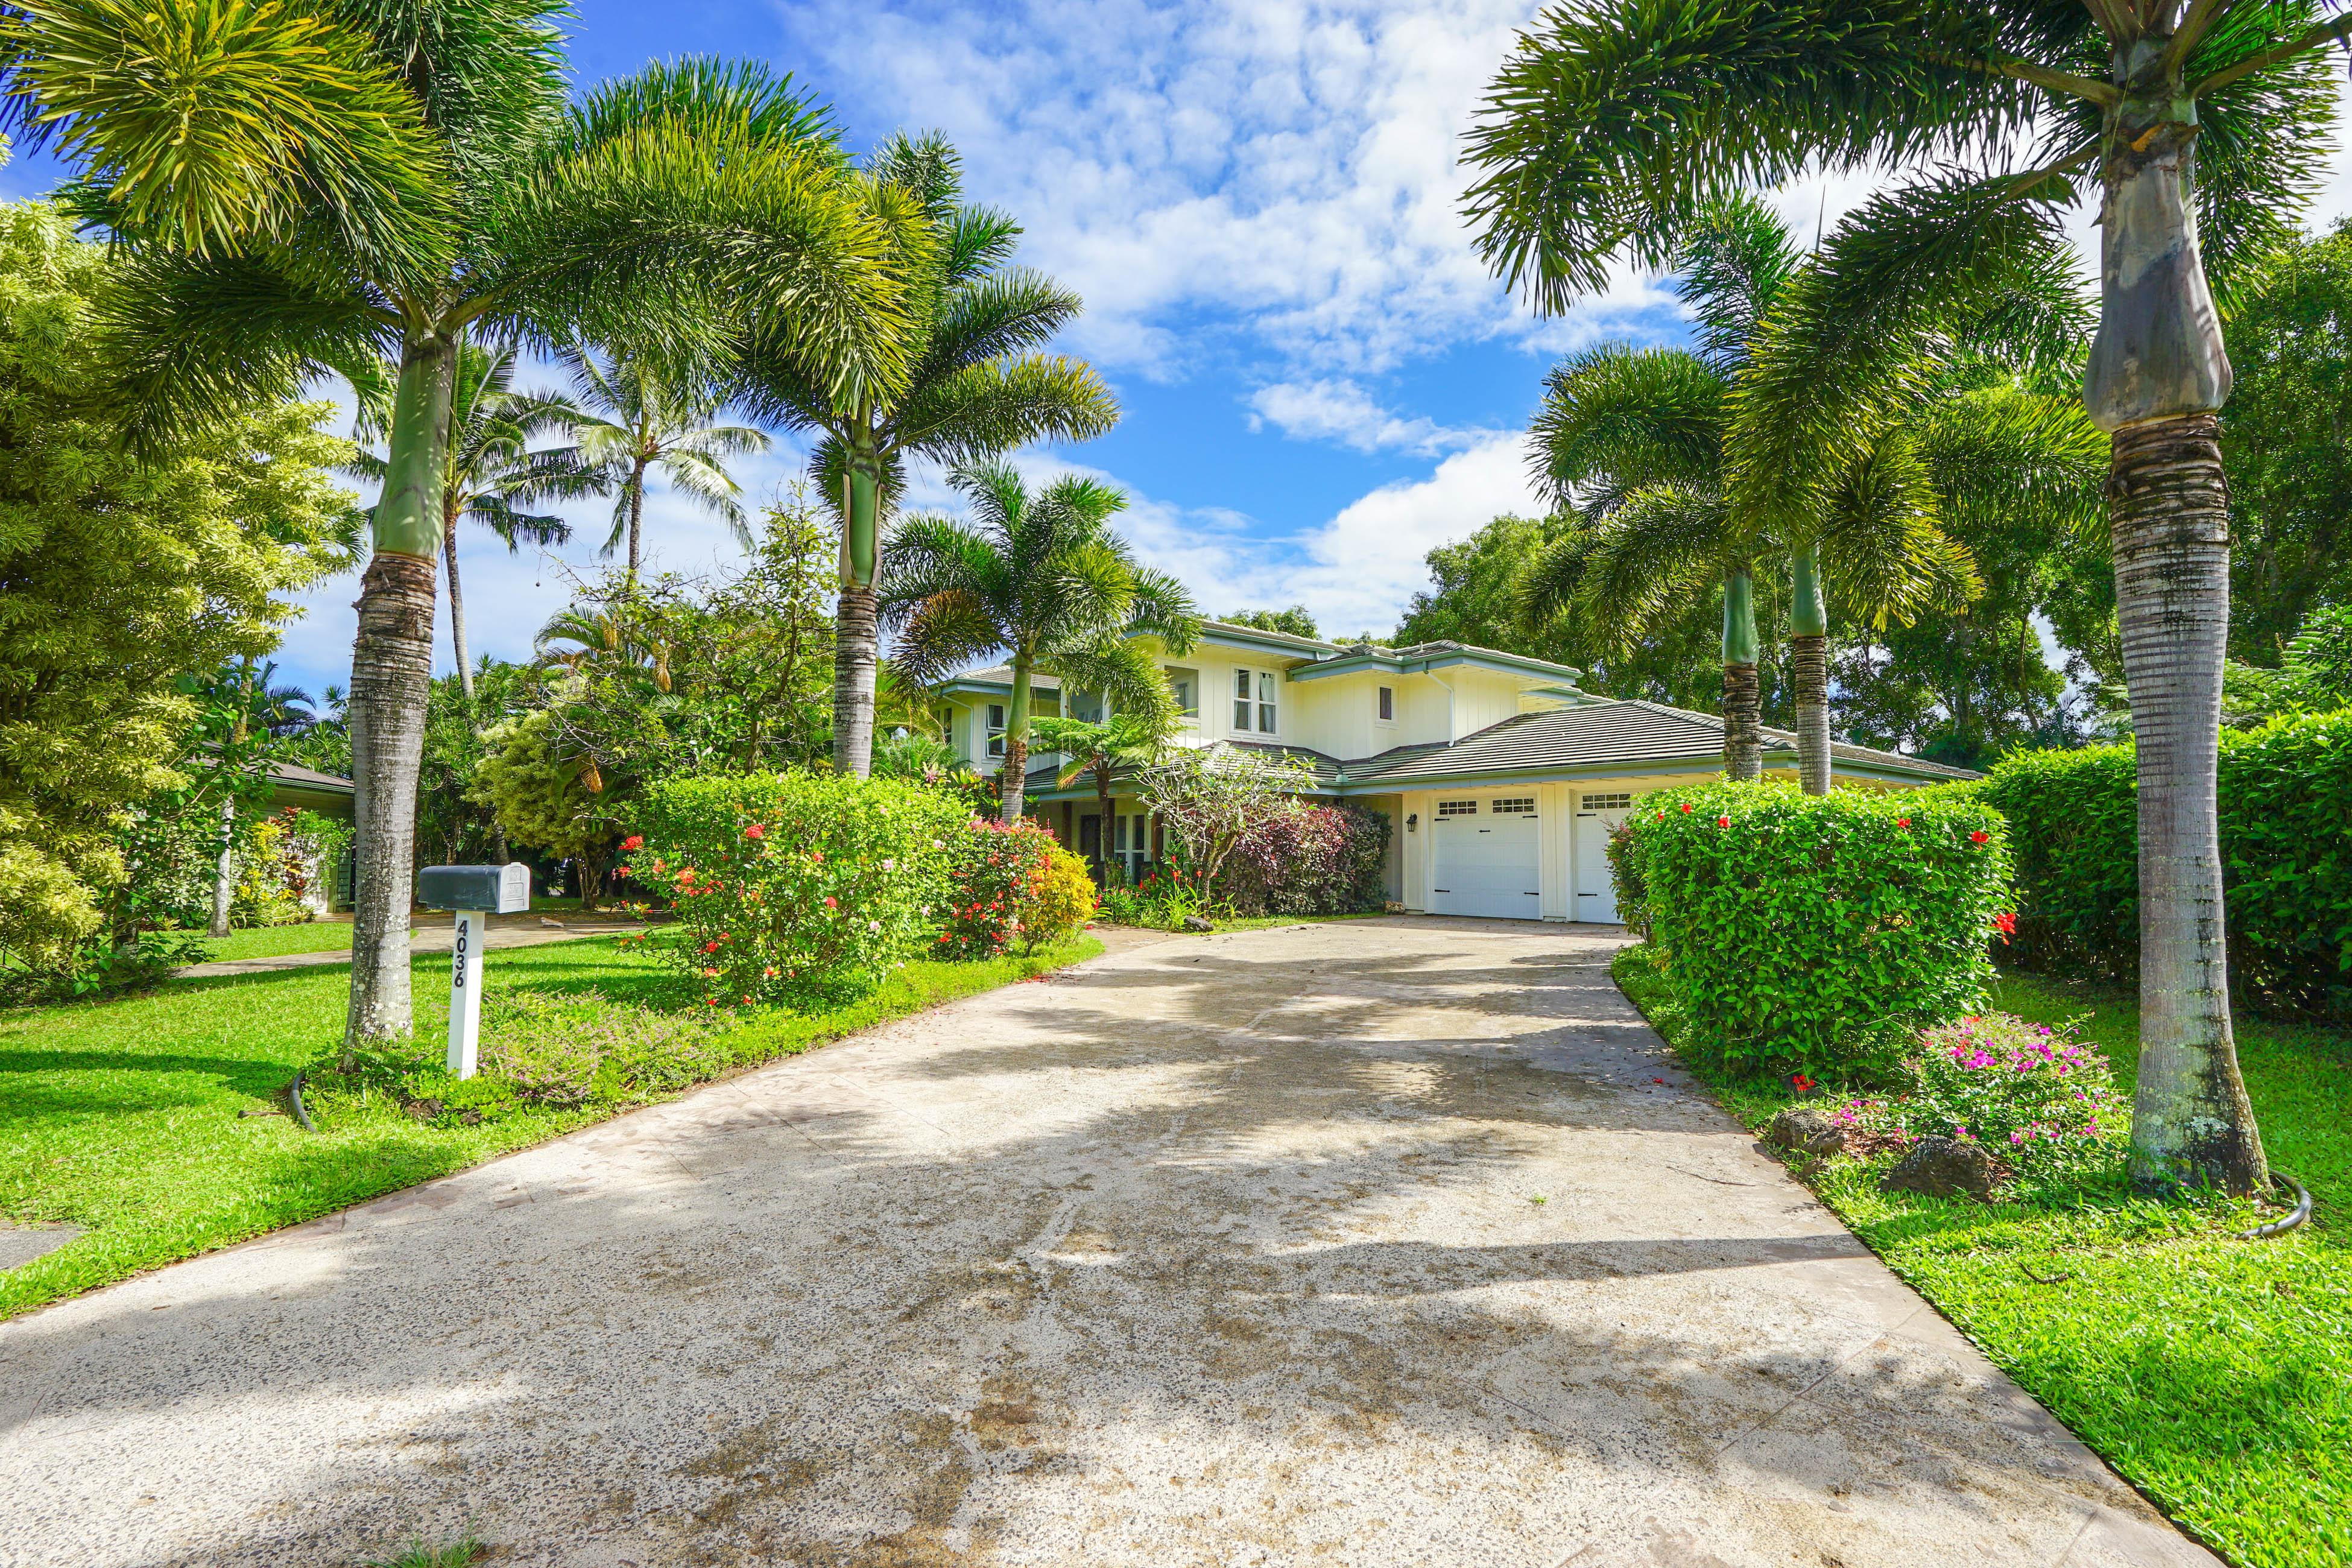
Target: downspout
(1453, 730)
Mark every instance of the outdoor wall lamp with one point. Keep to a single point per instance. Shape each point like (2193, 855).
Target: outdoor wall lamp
(1413, 822)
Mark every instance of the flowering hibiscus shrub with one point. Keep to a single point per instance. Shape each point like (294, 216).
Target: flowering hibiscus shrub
(1306, 859)
(795, 886)
(1820, 933)
(2037, 1098)
(1007, 883)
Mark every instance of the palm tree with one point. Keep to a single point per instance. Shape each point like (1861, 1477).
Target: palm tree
(371, 182)
(1644, 440)
(1607, 126)
(1131, 738)
(249, 691)
(977, 388)
(639, 419)
(1043, 579)
(490, 470)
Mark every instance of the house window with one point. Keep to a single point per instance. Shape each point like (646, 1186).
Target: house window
(1240, 701)
(1618, 802)
(1186, 686)
(1515, 806)
(1388, 705)
(1088, 707)
(1265, 701)
(996, 729)
(1457, 808)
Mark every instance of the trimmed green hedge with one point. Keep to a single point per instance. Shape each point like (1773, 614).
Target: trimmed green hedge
(2286, 857)
(1819, 933)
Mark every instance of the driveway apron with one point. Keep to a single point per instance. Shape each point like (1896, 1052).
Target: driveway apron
(1400, 1241)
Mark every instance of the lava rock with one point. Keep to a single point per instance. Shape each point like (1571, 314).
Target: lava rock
(1805, 1132)
(1194, 922)
(1944, 1168)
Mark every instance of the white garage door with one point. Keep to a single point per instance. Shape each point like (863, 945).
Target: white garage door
(1596, 886)
(1488, 859)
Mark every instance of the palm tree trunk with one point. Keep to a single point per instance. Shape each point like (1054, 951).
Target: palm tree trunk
(857, 650)
(1106, 807)
(1809, 659)
(855, 657)
(636, 515)
(2156, 380)
(223, 872)
(1743, 740)
(391, 680)
(1015, 776)
(456, 613)
(2191, 1122)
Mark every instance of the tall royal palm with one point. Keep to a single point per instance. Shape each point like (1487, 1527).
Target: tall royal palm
(1609, 123)
(979, 387)
(313, 186)
(492, 473)
(634, 419)
(1043, 581)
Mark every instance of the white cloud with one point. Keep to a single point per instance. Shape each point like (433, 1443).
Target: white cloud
(1342, 411)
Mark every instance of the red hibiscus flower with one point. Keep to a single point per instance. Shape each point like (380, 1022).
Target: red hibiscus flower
(755, 831)
(710, 947)
(831, 902)
(2006, 924)
(1723, 822)
(1978, 837)
(1685, 806)
(1801, 1083)
(1902, 822)
(632, 841)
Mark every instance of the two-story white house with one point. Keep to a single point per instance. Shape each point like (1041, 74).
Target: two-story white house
(1499, 777)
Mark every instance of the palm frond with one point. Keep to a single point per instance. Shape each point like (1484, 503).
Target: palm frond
(1734, 261)
(1662, 551)
(994, 407)
(1884, 556)
(1624, 417)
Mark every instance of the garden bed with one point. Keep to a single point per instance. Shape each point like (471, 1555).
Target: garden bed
(2213, 1374)
(125, 1117)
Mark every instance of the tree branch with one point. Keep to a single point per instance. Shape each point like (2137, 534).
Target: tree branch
(2324, 34)
(2104, 94)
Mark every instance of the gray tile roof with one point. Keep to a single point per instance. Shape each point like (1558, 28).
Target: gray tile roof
(1598, 734)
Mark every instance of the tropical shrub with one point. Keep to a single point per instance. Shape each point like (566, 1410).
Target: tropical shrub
(795, 886)
(1302, 859)
(2286, 857)
(1008, 882)
(584, 1049)
(2039, 1099)
(1821, 932)
(1212, 798)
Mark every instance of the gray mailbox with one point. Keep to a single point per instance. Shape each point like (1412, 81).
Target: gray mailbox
(475, 892)
(496, 890)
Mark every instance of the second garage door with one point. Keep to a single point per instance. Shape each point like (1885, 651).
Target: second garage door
(1487, 858)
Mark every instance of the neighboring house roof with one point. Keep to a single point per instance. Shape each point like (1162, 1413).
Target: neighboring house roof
(996, 678)
(326, 793)
(309, 778)
(1622, 737)
(1322, 660)
(1606, 734)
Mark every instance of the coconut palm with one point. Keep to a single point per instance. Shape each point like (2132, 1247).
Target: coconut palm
(1040, 579)
(635, 418)
(375, 180)
(1604, 132)
(490, 470)
(1130, 738)
(977, 388)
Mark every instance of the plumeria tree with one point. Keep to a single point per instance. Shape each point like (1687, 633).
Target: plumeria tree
(343, 184)
(2203, 125)
(1211, 798)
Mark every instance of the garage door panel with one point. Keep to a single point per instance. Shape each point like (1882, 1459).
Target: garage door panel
(1488, 865)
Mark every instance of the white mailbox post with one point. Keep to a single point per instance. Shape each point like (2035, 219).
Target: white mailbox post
(474, 893)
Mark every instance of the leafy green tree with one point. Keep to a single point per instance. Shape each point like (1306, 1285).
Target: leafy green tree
(2283, 445)
(372, 181)
(1608, 129)
(490, 472)
(123, 581)
(1043, 579)
(1131, 740)
(979, 387)
(631, 418)
(253, 710)
(1294, 620)
(546, 794)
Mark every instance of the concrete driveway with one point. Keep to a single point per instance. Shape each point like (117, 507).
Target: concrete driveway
(1368, 1243)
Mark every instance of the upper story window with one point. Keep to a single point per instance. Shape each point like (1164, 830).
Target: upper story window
(1386, 706)
(1186, 686)
(995, 721)
(1254, 702)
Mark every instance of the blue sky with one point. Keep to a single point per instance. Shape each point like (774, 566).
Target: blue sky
(1257, 199)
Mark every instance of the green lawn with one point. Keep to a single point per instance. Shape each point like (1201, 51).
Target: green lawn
(2216, 1374)
(274, 942)
(123, 1116)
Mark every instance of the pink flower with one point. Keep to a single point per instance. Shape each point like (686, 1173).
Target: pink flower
(755, 831)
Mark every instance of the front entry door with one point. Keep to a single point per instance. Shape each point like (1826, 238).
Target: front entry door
(1596, 884)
